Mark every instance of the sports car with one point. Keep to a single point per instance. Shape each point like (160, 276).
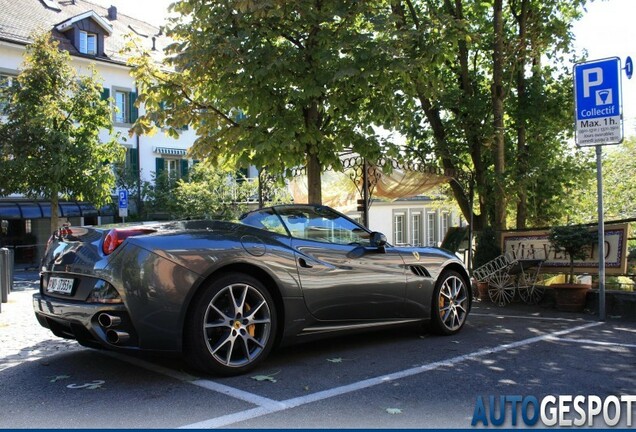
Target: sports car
(223, 294)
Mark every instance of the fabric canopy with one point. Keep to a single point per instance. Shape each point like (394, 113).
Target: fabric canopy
(340, 190)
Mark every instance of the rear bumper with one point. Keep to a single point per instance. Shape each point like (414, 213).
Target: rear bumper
(80, 321)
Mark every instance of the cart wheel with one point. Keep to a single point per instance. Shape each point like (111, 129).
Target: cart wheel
(528, 291)
(501, 288)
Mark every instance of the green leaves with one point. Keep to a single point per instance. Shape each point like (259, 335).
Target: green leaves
(51, 145)
(298, 71)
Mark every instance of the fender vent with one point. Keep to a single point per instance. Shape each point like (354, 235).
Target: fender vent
(419, 271)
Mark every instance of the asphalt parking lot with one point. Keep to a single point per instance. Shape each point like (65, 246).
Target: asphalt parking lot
(399, 378)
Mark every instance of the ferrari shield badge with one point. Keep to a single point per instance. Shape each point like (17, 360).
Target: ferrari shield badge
(416, 255)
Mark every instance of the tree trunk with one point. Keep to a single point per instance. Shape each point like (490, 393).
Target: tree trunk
(314, 189)
(54, 215)
(498, 119)
(522, 146)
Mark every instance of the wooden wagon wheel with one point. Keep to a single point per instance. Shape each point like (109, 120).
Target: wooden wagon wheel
(528, 291)
(501, 288)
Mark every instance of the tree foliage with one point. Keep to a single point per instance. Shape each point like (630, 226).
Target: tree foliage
(283, 84)
(50, 136)
(619, 187)
(575, 240)
(273, 83)
(476, 92)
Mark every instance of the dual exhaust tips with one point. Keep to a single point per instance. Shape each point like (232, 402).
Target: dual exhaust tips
(113, 336)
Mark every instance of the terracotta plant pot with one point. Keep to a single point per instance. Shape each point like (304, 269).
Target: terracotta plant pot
(570, 297)
(482, 288)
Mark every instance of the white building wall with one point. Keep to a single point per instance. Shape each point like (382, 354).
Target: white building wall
(112, 76)
(382, 218)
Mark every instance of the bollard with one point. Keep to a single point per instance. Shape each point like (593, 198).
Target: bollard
(4, 275)
(2, 278)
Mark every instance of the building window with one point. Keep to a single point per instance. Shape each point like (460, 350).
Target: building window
(121, 105)
(6, 81)
(125, 110)
(399, 228)
(446, 223)
(416, 229)
(430, 230)
(172, 168)
(87, 43)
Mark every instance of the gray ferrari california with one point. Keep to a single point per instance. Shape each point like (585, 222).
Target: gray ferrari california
(224, 294)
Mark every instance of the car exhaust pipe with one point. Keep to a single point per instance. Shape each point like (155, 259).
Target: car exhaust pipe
(117, 337)
(107, 321)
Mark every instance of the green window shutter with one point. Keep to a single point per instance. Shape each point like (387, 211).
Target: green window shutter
(105, 93)
(134, 112)
(184, 168)
(160, 166)
(134, 160)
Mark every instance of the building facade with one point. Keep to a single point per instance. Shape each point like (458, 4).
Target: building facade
(94, 36)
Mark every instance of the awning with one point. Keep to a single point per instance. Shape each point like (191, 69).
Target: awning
(18, 209)
(170, 151)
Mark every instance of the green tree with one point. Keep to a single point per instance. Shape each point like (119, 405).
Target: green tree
(473, 90)
(273, 83)
(619, 186)
(575, 240)
(50, 136)
(220, 194)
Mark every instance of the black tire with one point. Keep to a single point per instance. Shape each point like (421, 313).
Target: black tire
(231, 326)
(450, 303)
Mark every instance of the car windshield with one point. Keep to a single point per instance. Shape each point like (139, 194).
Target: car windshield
(322, 224)
(317, 223)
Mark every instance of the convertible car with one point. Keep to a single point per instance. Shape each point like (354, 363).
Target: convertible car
(224, 294)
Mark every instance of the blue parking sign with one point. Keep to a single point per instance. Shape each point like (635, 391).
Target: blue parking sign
(598, 102)
(123, 199)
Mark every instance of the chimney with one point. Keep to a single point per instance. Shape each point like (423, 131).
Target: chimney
(112, 13)
(154, 39)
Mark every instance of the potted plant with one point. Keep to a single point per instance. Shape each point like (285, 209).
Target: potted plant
(486, 250)
(576, 241)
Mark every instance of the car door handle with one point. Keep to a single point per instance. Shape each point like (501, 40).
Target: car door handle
(304, 263)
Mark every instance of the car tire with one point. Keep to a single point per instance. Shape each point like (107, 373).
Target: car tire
(231, 326)
(450, 304)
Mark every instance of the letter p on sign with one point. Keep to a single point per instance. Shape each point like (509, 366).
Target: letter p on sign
(588, 81)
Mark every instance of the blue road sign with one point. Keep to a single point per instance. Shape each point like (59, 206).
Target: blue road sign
(597, 101)
(123, 199)
(629, 67)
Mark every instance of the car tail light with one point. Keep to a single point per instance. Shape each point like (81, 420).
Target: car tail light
(115, 237)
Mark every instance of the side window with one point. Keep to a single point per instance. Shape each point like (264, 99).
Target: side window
(265, 219)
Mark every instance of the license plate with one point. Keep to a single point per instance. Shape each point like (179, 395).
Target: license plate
(60, 285)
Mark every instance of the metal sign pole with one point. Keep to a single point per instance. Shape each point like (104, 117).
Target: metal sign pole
(601, 234)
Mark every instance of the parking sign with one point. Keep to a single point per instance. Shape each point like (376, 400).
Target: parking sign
(123, 203)
(597, 102)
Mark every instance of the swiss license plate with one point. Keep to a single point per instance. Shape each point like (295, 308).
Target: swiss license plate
(60, 285)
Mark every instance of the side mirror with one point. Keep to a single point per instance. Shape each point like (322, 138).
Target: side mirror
(378, 239)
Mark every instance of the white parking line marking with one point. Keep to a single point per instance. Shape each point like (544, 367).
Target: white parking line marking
(531, 318)
(229, 419)
(593, 342)
(206, 384)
